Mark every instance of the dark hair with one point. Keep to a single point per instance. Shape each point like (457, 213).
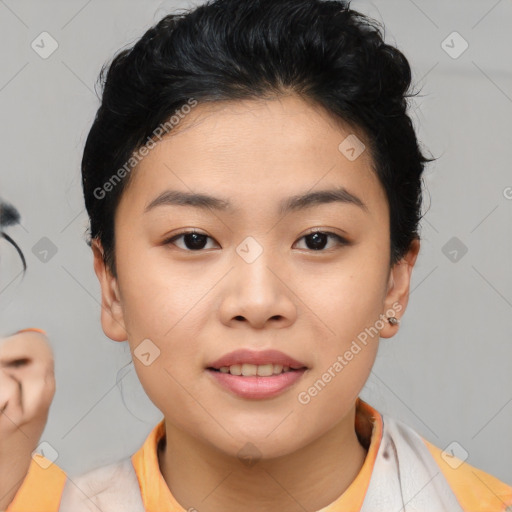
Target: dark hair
(9, 216)
(323, 51)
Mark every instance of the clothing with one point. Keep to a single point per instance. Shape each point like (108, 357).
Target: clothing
(41, 489)
(401, 472)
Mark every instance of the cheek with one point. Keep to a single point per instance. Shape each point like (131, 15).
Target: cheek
(164, 316)
(345, 298)
(156, 295)
(345, 304)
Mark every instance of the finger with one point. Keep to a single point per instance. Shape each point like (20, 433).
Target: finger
(37, 394)
(11, 408)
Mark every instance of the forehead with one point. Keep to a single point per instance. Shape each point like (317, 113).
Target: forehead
(254, 153)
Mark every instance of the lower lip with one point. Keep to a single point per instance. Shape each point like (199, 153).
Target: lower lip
(256, 387)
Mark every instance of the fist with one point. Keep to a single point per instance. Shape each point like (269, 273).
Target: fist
(27, 387)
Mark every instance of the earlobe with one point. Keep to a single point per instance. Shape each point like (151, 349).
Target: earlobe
(112, 318)
(399, 282)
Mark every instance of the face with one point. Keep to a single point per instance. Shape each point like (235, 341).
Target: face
(253, 276)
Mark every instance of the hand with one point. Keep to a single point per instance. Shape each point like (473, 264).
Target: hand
(27, 387)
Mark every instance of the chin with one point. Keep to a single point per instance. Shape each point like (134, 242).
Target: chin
(258, 446)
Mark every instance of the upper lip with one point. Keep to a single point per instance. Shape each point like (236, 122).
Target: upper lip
(242, 356)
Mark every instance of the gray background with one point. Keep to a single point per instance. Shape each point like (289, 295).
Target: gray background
(447, 373)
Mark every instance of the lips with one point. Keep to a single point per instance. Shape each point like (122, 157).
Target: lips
(247, 356)
(256, 388)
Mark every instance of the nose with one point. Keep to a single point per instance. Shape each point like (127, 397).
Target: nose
(258, 291)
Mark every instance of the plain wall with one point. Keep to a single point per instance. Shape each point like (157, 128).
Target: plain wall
(447, 373)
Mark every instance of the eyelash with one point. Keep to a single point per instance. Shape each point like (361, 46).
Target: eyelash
(341, 241)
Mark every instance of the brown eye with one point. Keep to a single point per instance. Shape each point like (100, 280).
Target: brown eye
(193, 241)
(317, 240)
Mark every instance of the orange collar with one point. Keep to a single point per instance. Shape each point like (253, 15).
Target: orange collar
(156, 496)
(42, 487)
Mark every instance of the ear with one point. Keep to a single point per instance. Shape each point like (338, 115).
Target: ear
(398, 289)
(112, 319)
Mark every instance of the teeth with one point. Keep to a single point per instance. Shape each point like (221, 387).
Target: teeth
(249, 370)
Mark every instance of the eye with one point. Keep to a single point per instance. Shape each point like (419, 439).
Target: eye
(318, 239)
(196, 241)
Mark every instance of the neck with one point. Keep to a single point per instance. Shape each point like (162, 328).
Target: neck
(308, 479)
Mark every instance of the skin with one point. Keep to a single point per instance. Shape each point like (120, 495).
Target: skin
(197, 305)
(27, 387)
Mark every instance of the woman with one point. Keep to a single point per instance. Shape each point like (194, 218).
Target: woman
(253, 184)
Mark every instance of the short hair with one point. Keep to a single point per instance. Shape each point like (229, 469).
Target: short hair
(323, 51)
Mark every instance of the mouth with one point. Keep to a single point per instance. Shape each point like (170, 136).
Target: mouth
(249, 363)
(256, 382)
(253, 374)
(253, 370)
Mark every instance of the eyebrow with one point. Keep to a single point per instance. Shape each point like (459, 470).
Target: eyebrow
(290, 204)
